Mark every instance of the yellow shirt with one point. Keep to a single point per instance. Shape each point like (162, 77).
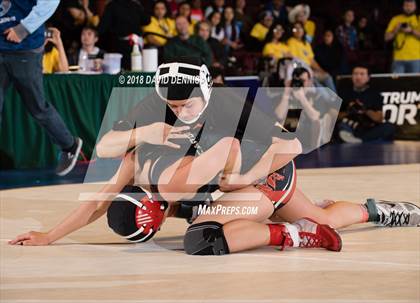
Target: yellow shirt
(165, 27)
(50, 61)
(276, 50)
(301, 50)
(259, 31)
(310, 28)
(406, 46)
(192, 26)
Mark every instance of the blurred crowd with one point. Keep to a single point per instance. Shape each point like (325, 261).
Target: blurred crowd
(238, 36)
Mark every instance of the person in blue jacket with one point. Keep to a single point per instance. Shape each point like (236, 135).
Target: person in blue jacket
(22, 35)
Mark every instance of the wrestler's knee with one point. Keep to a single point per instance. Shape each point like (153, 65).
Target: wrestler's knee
(206, 238)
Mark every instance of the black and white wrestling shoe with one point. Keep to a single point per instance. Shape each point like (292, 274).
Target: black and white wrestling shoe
(396, 213)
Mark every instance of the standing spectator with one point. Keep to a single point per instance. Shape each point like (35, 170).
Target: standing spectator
(121, 19)
(260, 29)
(217, 31)
(363, 119)
(404, 30)
(243, 19)
(279, 11)
(302, 50)
(275, 47)
(185, 44)
(301, 13)
(218, 51)
(54, 59)
(329, 54)
(216, 6)
(89, 52)
(364, 34)
(21, 45)
(184, 9)
(232, 33)
(197, 13)
(346, 32)
(160, 24)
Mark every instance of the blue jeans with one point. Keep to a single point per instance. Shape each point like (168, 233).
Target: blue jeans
(403, 67)
(24, 70)
(379, 133)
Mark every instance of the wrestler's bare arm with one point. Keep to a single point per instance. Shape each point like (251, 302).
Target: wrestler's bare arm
(87, 212)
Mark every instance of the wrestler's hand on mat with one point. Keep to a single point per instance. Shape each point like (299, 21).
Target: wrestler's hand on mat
(32, 238)
(160, 133)
(231, 182)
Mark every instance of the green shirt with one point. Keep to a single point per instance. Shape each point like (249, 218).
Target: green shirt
(194, 46)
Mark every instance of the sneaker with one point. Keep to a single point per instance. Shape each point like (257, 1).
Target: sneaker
(306, 233)
(393, 214)
(67, 160)
(348, 137)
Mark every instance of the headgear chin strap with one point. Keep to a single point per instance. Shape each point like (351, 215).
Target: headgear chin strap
(179, 81)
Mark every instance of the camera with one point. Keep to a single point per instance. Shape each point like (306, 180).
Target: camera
(48, 33)
(296, 83)
(404, 25)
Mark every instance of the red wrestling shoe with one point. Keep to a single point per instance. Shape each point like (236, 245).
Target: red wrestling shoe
(314, 235)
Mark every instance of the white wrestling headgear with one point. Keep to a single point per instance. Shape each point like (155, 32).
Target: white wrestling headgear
(180, 81)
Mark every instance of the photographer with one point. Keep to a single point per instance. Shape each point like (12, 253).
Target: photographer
(317, 118)
(363, 118)
(54, 59)
(404, 30)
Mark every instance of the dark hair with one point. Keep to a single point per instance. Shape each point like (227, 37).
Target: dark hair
(91, 28)
(234, 23)
(270, 33)
(299, 71)
(361, 65)
(219, 26)
(166, 7)
(303, 28)
(185, 3)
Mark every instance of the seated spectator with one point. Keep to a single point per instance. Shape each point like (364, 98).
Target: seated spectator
(185, 44)
(302, 50)
(217, 31)
(404, 30)
(216, 6)
(329, 54)
(184, 9)
(362, 120)
(121, 18)
(197, 13)
(160, 24)
(88, 51)
(364, 34)
(218, 51)
(232, 39)
(275, 46)
(346, 32)
(279, 11)
(300, 13)
(260, 29)
(244, 20)
(73, 16)
(54, 59)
